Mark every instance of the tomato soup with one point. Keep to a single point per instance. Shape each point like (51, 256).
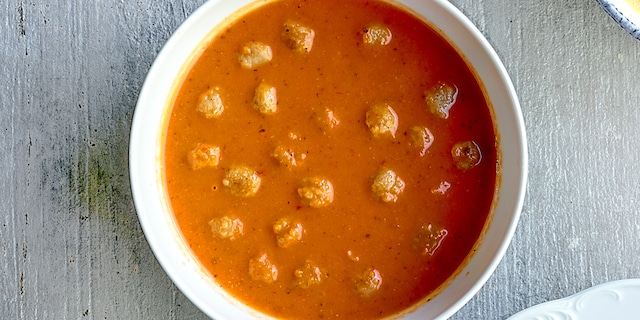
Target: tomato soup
(330, 159)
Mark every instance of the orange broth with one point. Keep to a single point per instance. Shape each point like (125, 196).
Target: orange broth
(357, 230)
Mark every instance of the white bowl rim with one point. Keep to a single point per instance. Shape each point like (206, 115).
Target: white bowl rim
(158, 224)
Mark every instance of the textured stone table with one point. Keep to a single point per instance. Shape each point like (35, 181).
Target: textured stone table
(70, 72)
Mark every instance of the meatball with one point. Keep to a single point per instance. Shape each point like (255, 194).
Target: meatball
(203, 155)
(254, 54)
(210, 103)
(466, 155)
(429, 239)
(316, 192)
(382, 120)
(285, 156)
(262, 269)
(421, 139)
(440, 98)
(226, 227)
(242, 181)
(308, 275)
(287, 233)
(376, 34)
(387, 186)
(265, 99)
(298, 36)
(368, 282)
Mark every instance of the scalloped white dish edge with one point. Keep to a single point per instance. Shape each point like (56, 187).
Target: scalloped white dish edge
(612, 300)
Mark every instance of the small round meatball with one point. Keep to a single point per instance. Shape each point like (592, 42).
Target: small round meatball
(382, 120)
(242, 181)
(203, 155)
(287, 232)
(265, 99)
(298, 36)
(368, 282)
(376, 34)
(285, 156)
(316, 192)
(466, 155)
(429, 239)
(440, 98)
(254, 54)
(387, 186)
(308, 275)
(210, 103)
(262, 269)
(226, 227)
(421, 139)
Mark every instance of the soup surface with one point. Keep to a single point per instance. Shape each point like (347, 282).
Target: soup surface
(330, 159)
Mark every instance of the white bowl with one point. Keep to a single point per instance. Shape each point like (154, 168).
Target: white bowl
(162, 231)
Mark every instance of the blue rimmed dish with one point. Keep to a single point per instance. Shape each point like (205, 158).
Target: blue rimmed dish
(626, 13)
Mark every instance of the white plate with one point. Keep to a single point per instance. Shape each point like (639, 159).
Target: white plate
(618, 300)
